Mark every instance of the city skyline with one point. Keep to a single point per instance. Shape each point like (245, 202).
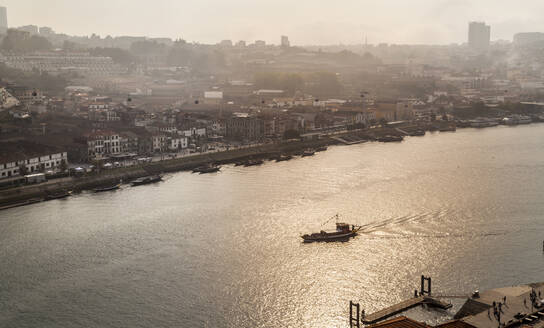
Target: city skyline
(351, 22)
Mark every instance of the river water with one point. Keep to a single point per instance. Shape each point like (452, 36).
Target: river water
(224, 250)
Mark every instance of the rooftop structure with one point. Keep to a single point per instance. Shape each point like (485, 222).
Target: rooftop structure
(479, 35)
(3, 20)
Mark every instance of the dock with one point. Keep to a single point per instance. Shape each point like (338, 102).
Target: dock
(349, 139)
(403, 306)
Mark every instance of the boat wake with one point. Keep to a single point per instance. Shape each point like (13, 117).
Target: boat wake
(385, 229)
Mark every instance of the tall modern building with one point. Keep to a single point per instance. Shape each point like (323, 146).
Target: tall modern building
(3, 20)
(285, 41)
(479, 35)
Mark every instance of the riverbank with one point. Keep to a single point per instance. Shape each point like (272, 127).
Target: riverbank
(29, 194)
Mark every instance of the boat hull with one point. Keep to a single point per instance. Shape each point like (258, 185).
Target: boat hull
(329, 237)
(107, 188)
(145, 181)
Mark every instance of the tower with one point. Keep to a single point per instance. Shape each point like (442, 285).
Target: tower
(3, 20)
(285, 41)
(479, 35)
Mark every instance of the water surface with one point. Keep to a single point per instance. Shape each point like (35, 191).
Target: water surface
(223, 250)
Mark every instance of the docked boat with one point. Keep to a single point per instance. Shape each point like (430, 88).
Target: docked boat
(108, 188)
(390, 138)
(146, 180)
(343, 233)
(449, 128)
(308, 152)
(322, 148)
(282, 158)
(58, 195)
(253, 162)
(517, 119)
(417, 133)
(482, 122)
(209, 169)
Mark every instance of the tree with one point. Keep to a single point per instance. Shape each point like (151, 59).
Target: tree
(63, 166)
(23, 170)
(291, 134)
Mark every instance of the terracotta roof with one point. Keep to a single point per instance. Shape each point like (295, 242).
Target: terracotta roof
(455, 324)
(400, 322)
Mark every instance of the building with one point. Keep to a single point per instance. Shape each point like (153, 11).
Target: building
(159, 142)
(213, 97)
(405, 110)
(176, 142)
(25, 95)
(59, 62)
(528, 38)
(101, 112)
(260, 43)
(101, 144)
(241, 126)
(386, 111)
(46, 31)
(128, 142)
(226, 43)
(23, 157)
(32, 29)
(3, 20)
(285, 41)
(479, 36)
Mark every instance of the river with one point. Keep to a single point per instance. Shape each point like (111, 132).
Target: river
(224, 250)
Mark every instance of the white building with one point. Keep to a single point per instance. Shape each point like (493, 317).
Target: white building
(194, 132)
(58, 62)
(12, 160)
(176, 143)
(159, 142)
(101, 144)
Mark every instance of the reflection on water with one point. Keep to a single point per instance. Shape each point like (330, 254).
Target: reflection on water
(223, 250)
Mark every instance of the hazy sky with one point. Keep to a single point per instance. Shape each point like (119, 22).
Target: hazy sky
(304, 21)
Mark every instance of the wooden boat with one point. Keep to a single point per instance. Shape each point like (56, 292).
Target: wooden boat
(343, 233)
(308, 152)
(209, 169)
(390, 138)
(58, 195)
(253, 162)
(322, 148)
(282, 158)
(146, 180)
(108, 188)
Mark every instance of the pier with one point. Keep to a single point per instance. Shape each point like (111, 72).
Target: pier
(403, 306)
(424, 297)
